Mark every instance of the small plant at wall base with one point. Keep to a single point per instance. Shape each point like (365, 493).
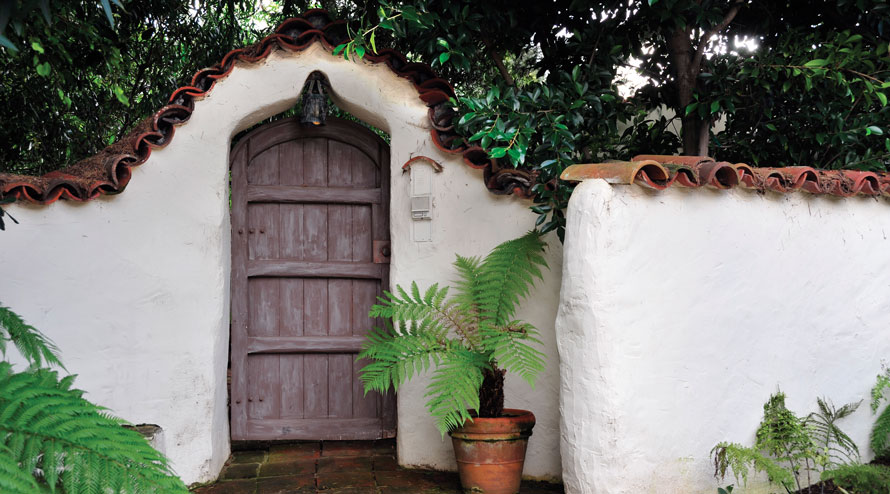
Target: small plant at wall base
(788, 448)
(470, 339)
(53, 440)
(880, 434)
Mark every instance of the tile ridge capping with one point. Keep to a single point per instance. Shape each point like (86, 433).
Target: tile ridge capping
(109, 171)
(659, 172)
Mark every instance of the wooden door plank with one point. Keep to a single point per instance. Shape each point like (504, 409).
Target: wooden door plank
(311, 195)
(309, 269)
(239, 302)
(315, 367)
(291, 392)
(304, 344)
(291, 365)
(317, 429)
(263, 230)
(365, 293)
(387, 402)
(290, 243)
(290, 163)
(340, 239)
(315, 162)
(263, 168)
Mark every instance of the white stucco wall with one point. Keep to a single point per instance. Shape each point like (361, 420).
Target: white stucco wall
(134, 289)
(683, 310)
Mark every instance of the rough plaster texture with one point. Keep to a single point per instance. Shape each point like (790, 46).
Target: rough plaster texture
(682, 311)
(134, 289)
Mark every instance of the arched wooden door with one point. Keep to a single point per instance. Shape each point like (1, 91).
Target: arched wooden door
(310, 247)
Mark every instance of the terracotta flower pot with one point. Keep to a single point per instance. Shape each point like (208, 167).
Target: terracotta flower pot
(490, 452)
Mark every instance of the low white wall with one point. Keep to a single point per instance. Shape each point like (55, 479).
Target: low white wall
(134, 289)
(682, 311)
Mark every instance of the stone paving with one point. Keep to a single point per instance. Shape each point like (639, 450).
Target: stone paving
(336, 467)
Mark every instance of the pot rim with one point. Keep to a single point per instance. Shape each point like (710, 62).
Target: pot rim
(513, 420)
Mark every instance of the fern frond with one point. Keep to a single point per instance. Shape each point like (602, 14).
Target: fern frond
(396, 356)
(37, 349)
(454, 388)
(823, 428)
(510, 348)
(739, 459)
(467, 287)
(15, 479)
(429, 308)
(880, 434)
(881, 386)
(78, 445)
(506, 275)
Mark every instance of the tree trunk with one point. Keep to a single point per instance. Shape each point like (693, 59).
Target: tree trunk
(491, 393)
(695, 131)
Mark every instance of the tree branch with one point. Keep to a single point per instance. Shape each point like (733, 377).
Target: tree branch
(727, 19)
(498, 60)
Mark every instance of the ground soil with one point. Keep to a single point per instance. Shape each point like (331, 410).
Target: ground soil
(826, 487)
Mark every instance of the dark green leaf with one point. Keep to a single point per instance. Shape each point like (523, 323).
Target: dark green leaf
(43, 69)
(816, 63)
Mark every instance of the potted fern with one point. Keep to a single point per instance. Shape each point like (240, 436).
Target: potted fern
(471, 339)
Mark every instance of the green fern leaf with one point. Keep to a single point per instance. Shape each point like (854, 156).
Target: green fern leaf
(37, 349)
(506, 275)
(511, 350)
(396, 356)
(880, 434)
(454, 388)
(14, 479)
(73, 439)
(822, 424)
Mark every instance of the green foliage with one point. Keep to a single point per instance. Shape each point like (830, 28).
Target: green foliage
(53, 440)
(833, 96)
(860, 479)
(880, 434)
(31, 343)
(49, 429)
(461, 336)
(787, 447)
(822, 427)
(537, 82)
(739, 459)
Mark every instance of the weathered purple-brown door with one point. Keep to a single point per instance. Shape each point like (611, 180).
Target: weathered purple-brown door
(310, 233)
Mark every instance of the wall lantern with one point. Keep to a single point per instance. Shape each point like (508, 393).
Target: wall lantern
(315, 106)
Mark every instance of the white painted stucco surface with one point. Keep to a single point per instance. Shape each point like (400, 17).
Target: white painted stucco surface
(134, 288)
(683, 310)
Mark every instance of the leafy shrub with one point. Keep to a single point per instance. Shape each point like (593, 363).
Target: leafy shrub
(466, 338)
(52, 439)
(788, 448)
(860, 479)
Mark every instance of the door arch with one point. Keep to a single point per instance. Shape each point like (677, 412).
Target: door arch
(310, 227)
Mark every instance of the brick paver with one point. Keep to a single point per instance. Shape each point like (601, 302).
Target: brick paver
(335, 467)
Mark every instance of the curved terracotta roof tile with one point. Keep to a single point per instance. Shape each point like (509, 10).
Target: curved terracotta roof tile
(698, 171)
(109, 171)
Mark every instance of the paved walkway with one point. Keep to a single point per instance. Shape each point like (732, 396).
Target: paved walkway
(336, 467)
